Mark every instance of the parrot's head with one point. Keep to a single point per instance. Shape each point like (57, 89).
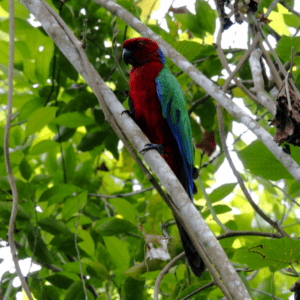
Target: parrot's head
(139, 51)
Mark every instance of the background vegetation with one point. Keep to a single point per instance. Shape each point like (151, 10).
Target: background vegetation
(77, 183)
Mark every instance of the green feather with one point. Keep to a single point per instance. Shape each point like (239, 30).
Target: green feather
(174, 110)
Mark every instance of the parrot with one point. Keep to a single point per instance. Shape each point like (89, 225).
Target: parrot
(157, 105)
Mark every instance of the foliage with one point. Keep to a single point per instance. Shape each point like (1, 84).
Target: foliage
(63, 153)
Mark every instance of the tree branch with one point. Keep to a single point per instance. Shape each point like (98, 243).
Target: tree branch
(231, 233)
(12, 182)
(258, 81)
(164, 271)
(122, 195)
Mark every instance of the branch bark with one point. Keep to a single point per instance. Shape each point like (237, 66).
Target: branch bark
(11, 179)
(258, 81)
(192, 218)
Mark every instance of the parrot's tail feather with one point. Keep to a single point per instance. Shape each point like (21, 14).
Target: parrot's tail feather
(194, 259)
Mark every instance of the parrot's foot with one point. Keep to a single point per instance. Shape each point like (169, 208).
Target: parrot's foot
(159, 148)
(128, 112)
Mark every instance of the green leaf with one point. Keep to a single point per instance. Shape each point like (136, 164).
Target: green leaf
(54, 226)
(207, 112)
(73, 120)
(75, 291)
(194, 287)
(97, 270)
(42, 147)
(196, 131)
(70, 162)
(25, 169)
(260, 161)
(171, 25)
(189, 22)
(206, 16)
(43, 57)
(285, 45)
(113, 226)
(155, 210)
(125, 208)
(129, 6)
(64, 134)
(74, 204)
(38, 246)
(87, 244)
(51, 292)
(191, 50)
(291, 20)
(91, 140)
(66, 67)
(6, 207)
(118, 251)
(219, 209)
(133, 289)
(82, 101)
(221, 192)
(30, 106)
(58, 193)
(277, 253)
(99, 116)
(39, 119)
(60, 280)
(66, 244)
(74, 267)
(20, 10)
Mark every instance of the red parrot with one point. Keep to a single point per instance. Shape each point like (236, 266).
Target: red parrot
(157, 104)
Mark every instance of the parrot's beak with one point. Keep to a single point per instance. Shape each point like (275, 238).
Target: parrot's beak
(129, 58)
(127, 55)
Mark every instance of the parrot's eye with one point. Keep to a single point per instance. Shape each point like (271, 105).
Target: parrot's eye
(140, 45)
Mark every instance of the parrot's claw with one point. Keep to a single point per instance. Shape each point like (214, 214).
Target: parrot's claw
(128, 112)
(159, 148)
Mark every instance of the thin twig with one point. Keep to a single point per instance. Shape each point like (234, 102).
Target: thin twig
(290, 8)
(165, 271)
(281, 67)
(209, 204)
(122, 195)
(234, 170)
(232, 233)
(271, 65)
(266, 294)
(226, 66)
(241, 62)
(8, 290)
(12, 183)
(199, 290)
(286, 83)
(78, 252)
(239, 178)
(271, 7)
(285, 193)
